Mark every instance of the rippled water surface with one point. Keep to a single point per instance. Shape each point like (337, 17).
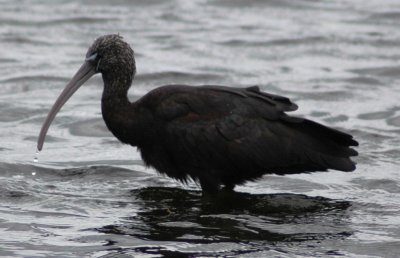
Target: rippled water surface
(90, 196)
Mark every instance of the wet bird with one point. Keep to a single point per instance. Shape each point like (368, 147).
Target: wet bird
(218, 136)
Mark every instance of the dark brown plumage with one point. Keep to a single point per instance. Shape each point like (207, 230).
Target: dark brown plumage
(215, 135)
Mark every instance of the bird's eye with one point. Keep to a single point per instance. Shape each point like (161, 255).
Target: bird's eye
(92, 57)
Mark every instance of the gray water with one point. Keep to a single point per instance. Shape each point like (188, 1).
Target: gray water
(90, 196)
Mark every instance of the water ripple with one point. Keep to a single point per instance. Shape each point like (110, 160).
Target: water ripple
(90, 196)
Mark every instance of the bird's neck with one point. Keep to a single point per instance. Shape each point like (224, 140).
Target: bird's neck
(118, 112)
(116, 86)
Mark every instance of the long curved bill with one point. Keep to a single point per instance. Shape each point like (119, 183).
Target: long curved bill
(86, 71)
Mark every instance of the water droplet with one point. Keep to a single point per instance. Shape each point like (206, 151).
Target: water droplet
(36, 159)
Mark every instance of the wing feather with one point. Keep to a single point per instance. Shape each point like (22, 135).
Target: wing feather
(245, 133)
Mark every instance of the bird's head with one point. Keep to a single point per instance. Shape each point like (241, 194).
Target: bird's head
(108, 55)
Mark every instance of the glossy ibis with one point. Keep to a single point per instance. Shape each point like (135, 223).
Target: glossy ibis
(214, 135)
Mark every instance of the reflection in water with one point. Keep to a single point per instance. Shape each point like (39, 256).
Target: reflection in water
(261, 221)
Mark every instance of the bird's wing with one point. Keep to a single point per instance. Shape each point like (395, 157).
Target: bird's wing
(246, 129)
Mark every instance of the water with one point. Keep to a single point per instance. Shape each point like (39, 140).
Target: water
(90, 196)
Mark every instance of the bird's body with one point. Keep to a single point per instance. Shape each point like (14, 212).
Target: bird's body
(215, 135)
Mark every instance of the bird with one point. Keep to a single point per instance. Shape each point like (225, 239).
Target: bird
(217, 136)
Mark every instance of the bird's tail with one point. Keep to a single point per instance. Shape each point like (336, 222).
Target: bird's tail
(324, 147)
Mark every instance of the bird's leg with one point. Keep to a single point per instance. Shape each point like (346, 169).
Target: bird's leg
(228, 187)
(209, 185)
